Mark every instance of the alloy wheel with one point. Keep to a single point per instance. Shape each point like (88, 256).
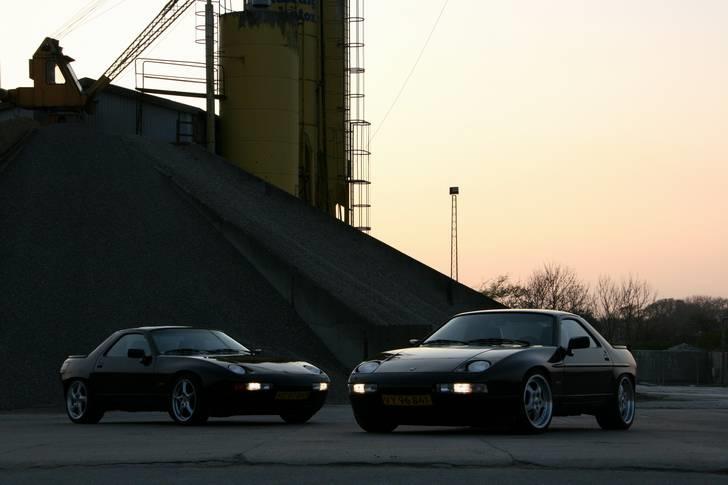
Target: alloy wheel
(625, 400)
(537, 402)
(184, 400)
(77, 400)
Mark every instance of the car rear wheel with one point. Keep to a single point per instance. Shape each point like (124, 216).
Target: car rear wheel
(297, 418)
(374, 424)
(81, 407)
(536, 407)
(620, 410)
(186, 403)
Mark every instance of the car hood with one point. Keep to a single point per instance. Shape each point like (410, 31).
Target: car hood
(440, 359)
(259, 363)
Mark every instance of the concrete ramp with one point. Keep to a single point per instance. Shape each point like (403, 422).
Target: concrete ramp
(100, 232)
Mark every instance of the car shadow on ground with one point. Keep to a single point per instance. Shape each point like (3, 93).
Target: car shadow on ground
(273, 422)
(498, 431)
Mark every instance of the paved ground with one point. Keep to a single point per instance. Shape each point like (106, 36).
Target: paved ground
(664, 446)
(693, 397)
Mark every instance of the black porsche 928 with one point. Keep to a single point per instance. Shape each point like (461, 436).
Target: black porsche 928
(192, 374)
(524, 366)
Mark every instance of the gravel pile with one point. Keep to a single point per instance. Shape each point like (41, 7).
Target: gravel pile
(101, 232)
(93, 239)
(374, 280)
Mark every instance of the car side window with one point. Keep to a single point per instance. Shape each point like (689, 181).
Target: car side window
(129, 341)
(571, 329)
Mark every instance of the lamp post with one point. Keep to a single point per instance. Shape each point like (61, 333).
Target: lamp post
(454, 191)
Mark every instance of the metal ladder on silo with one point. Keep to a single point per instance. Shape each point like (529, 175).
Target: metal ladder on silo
(357, 127)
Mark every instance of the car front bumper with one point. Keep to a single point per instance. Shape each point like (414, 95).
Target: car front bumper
(417, 400)
(276, 396)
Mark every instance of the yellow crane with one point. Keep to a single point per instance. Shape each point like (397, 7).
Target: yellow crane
(49, 65)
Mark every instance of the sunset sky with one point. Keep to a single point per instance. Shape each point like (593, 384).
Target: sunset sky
(589, 133)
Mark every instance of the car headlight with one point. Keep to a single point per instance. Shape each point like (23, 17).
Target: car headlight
(312, 368)
(478, 366)
(237, 369)
(362, 388)
(367, 367)
(462, 388)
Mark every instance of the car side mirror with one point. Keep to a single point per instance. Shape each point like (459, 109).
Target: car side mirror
(136, 353)
(578, 343)
(415, 342)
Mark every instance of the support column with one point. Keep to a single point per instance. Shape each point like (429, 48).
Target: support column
(210, 74)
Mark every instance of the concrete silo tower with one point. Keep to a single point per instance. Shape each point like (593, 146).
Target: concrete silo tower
(283, 117)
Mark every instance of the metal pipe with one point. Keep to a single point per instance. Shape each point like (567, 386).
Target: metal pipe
(323, 163)
(210, 74)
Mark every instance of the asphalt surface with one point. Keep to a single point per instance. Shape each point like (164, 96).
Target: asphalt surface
(666, 445)
(693, 397)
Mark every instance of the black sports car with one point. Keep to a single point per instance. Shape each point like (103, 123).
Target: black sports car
(191, 373)
(483, 367)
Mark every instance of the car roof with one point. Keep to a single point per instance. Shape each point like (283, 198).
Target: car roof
(158, 327)
(554, 313)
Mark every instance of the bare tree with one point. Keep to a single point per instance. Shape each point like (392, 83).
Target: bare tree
(502, 290)
(621, 307)
(607, 303)
(635, 295)
(559, 288)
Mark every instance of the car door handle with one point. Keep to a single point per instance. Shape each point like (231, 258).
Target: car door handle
(606, 357)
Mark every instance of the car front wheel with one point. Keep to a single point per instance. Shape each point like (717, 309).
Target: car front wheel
(81, 407)
(186, 402)
(620, 410)
(374, 424)
(297, 418)
(536, 407)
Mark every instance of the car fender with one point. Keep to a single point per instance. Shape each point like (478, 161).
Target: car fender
(508, 374)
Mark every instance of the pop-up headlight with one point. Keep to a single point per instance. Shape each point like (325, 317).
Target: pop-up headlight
(237, 369)
(478, 366)
(367, 367)
(312, 368)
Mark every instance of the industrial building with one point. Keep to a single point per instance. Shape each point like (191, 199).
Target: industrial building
(125, 111)
(288, 75)
(115, 215)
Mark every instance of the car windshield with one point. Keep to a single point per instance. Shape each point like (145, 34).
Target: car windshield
(195, 341)
(496, 329)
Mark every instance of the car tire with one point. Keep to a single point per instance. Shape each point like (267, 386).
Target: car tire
(374, 424)
(536, 406)
(81, 406)
(619, 412)
(187, 401)
(297, 418)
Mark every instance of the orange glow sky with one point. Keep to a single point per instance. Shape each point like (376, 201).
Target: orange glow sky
(589, 133)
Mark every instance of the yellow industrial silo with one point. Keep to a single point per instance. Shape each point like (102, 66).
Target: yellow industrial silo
(259, 117)
(311, 157)
(284, 71)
